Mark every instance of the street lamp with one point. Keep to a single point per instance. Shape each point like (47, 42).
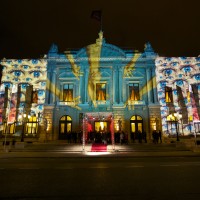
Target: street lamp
(23, 126)
(179, 116)
(39, 117)
(190, 119)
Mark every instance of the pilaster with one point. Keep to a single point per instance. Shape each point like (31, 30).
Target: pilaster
(149, 85)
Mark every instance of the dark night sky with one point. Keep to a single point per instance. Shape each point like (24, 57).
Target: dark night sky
(29, 27)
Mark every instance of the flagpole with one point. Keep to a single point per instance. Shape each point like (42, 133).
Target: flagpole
(97, 14)
(193, 106)
(101, 23)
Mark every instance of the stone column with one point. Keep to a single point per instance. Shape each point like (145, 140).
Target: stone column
(120, 84)
(86, 86)
(47, 100)
(115, 85)
(81, 89)
(53, 87)
(154, 86)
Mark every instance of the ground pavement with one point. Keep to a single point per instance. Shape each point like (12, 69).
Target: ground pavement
(63, 149)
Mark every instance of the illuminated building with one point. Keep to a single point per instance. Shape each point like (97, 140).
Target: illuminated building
(99, 88)
(178, 80)
(22, 95)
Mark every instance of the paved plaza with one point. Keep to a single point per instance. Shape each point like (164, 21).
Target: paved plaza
(63, 149)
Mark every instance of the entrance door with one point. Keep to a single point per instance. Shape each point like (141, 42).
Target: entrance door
(136, 123)
(101, 133)
(65, 127)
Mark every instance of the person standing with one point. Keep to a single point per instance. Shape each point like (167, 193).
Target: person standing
(140, 136)
(154, 135)
(160, 136)
(121, 137)
(144, 136)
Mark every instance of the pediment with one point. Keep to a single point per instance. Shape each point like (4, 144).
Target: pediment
(68, 74)
(105, 74)
(107, 50)
(135, 74)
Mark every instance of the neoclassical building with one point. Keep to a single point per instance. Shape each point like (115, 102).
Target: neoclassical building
(100, 88)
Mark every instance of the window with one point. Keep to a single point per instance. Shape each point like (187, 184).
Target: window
(100, 91)
(134, 94)
(195, 94)
(168, 95)
(65, 127)
(136, 123)
(32, 125)
(68, 92)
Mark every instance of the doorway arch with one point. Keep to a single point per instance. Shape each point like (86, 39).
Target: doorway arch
(65, 127)
(136, 126)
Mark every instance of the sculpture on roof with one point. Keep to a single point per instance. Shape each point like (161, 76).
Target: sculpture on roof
(53, 48)
(148, 47)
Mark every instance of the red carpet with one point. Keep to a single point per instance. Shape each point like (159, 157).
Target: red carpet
(99, 147)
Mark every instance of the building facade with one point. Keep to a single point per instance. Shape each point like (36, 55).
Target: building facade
(91, 93)
(22, 94)
(178, 84)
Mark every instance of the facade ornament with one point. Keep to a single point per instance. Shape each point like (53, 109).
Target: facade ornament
(148, 47)
(53, 48)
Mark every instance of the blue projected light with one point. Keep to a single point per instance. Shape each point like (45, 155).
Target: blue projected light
(7, 84)
(17, 73)
(25, 66)
(162, 100)
(196, 77)
(179, 82)
(160, 93)
(163, 83)
(162, 112)
(28, 79)
(173, 64)
(168, 72)
(175, 92)
(40, 92)
(24, 85)
(187, 69)
(43, 83)
(36, 74)
(40, 107)
(34, 61)
(168, 59)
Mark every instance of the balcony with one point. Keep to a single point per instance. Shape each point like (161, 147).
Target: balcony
(131, 102)
(66, 103)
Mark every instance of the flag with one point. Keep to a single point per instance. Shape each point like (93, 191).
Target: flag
(193, 103)
(1, 71)
(181, 103)
(190, 94)
(196, 97)
(28, 99)
(190, 89)
(18, 95)
(96, 14)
